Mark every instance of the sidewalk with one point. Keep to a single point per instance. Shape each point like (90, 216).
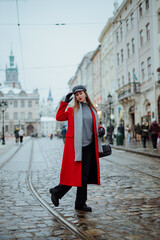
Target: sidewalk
(137, 147)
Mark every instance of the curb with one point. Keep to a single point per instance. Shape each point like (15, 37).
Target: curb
(153, 155)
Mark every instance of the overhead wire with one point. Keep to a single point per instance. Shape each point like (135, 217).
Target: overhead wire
(20, 39)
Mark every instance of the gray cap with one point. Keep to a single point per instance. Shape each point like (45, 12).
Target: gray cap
(79, 88)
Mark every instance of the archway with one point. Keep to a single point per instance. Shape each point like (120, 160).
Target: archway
(30, 130)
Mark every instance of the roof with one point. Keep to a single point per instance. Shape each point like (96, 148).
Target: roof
(6, 90)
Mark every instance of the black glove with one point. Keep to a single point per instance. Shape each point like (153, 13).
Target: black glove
(68, 97)
(101, 132)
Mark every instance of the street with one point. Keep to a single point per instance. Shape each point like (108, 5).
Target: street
(125, 206)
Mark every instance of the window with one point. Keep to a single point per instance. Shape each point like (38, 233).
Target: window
(159, 22)
(133, 46)
(122, 55)
(128, 51)
(141, 38)
(22, 116)
(22, 104)
(6, 116)
(29, 103)
(118, 59)
(119, 83)
(6, 128)
(132, 19)
(29, 116)
(127, 25)
(121, 32)
(147, 4)
(15, 104)
(129, 77)
(117, 37)
(142, 71)
(140, 10)
(148, 32)
(149, 67)
(15, 116)
(122, 80)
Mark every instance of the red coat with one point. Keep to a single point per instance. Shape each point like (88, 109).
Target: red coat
(71, 170)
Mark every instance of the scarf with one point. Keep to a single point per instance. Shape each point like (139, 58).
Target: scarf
(78, 126)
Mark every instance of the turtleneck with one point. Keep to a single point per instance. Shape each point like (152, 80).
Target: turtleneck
(87, 134)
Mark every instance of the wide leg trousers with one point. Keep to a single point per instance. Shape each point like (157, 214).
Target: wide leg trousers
(81, 196)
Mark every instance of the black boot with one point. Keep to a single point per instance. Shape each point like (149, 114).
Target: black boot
(84, 208)
(54, 198)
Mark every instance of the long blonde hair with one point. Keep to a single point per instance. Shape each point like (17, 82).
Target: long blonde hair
(76, 102)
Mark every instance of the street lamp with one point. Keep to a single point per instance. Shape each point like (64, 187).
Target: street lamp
(110, 102)
(3, 106)
(110, 128)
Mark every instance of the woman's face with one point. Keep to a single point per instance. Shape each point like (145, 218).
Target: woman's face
(80, 96)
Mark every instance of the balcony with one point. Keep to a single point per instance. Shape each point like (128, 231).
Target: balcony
(128, 90)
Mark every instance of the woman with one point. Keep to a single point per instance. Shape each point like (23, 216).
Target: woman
(154, 130)
(80, 164)
(128, 129)
(144, 129)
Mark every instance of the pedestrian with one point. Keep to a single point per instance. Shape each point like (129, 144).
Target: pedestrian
(63, 133)
(80, 164)
(138, 132)
(51, 136)
(144, 130)
(121, 129)
(154, 130)
(110, 130)
(16, 134)
(128, 129)
(21, 133)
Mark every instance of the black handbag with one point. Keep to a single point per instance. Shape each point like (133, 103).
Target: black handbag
(107, 150)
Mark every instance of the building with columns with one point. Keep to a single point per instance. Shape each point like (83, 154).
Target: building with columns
(126, 64)
(22, 106)
(136, 60)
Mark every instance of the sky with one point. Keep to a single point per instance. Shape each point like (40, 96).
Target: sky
(47, 54)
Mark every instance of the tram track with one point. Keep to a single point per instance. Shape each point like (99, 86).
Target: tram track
(12, 155)
(133, 169)
(59, 217)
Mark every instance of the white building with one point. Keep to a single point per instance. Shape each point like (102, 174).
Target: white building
(23, 106)
(48, 125)
(136, 60)
(46, 108)
(108, 85)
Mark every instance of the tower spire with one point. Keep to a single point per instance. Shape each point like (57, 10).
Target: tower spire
(50, 96)
(11, 58)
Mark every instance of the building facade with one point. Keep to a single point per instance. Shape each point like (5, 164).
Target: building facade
(126, 65)
(136, 61)
(22, 106)
(107, 72)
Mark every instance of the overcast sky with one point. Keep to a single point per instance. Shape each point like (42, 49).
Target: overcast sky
(48, 55)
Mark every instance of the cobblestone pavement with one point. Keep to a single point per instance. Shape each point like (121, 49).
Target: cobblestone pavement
(21, 216)
(125, 206)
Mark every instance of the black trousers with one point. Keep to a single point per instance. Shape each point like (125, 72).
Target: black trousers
(81, 196)
(154, 140)
(144, 139)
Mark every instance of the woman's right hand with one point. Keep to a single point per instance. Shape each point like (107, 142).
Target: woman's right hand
(68, 97)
